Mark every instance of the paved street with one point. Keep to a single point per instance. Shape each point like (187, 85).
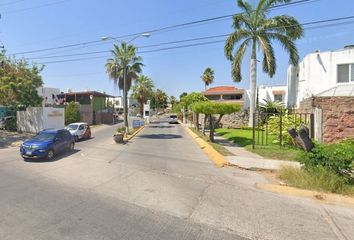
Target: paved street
(158, 186)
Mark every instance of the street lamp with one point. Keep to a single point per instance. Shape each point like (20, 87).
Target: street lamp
(104, 38)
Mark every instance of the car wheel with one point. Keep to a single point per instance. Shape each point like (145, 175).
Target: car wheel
(25, 159)
(50, 154)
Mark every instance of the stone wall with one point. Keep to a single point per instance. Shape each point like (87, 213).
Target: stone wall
(235, 120)
(338, 116)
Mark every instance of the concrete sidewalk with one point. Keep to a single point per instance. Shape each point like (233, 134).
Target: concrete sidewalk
(248, 160)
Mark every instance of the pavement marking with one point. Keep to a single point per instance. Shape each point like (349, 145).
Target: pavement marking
(327, 198)
(134, 134)
(213, 155)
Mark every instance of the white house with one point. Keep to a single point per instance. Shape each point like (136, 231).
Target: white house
(49, 95)
(269, 93)
(118, 103)
(321, 72)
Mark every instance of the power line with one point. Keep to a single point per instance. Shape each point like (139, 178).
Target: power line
(10, 3)
(177, 26)
(204, 38)
(35, 7)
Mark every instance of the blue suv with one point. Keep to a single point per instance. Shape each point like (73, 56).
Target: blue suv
(47, 143)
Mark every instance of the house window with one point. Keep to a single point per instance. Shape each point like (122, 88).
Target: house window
(278, 97)
(345, 73)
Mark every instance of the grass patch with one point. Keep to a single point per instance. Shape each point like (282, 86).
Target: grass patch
(219, 148)
(318, 179)
(243, 138)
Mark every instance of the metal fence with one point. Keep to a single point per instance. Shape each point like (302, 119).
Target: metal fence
(269, 127)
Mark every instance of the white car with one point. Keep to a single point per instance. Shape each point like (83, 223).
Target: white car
(79, 130)
(173, 119)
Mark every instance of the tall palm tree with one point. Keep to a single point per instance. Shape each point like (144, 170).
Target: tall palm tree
(172, 100)
(123, 67)
(142, 91)
(208, 77)
(254, 28)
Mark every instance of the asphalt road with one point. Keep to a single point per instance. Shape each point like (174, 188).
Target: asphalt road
(158, 186)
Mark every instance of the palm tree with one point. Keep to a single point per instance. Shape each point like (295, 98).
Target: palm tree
(142, 91)
(254, 27)
(172, 100)
(208, 77)
(123, 67)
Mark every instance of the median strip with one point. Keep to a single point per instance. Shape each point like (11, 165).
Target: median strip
(134, 134)
(213, 155)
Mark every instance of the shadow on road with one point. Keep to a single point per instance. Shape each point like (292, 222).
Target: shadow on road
(161, 126)
(56, 158)
(160, 136)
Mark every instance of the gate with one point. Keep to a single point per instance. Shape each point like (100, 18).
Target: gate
(270, 127)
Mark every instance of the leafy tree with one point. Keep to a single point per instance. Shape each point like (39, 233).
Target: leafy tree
(19, 82)
(72, 113)
(208, 77)
(254, 27)
(182, 95)
(160, 99)
(187, 101)
(142, 91)
(214, 108)
(124, 64)
(173, 101)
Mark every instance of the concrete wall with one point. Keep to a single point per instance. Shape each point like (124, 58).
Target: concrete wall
(235, 120)
(337, 116)
(266, 93)
(316, 73)
(47, 95)
(35, 119)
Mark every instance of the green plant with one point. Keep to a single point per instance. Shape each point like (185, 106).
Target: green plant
(208, 77)
(317, 178)
(213, 108)
(255, 28)
(337, 158)
(288, 121)
(121, 130)
(72, 113)
(142, 91)
(269, 106)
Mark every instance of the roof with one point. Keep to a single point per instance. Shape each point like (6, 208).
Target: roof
(88, 93)
(278, 91)
(223, 90)
(340, 90)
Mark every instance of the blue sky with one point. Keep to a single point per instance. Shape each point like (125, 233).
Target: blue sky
(27, 25)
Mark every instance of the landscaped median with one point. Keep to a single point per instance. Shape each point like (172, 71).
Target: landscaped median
(216, 157)
(133, 133)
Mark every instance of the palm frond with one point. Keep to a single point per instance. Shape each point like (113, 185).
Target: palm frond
(288, 46)
(269, 61)
(236, 64)
(232, 39)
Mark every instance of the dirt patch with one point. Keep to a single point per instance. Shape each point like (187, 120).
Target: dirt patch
(12, 139)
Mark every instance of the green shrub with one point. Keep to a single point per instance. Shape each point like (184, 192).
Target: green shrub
(337, 158)
(318, 178)
(288, 121)
(11, 125)
(72, 113)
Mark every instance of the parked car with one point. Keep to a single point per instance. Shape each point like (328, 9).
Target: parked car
(173, 119)
(79, 130)
(47, 144)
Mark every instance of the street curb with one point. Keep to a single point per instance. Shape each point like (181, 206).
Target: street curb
(327, 198)
(213, 155)
(134, 134)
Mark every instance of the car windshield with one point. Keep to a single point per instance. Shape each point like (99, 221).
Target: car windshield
(72, 126)
(44, 136)
(173, 116)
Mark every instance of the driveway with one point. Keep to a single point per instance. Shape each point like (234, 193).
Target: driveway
(158, 186)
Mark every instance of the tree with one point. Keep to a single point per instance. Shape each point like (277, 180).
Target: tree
(173, 101)
(142, 91)
(182, 95)
(254, 27)
(160, 99)
(19, 83)
(123, 67)
(208, 77)
(214, 108)
(72, 113)
(187, 101)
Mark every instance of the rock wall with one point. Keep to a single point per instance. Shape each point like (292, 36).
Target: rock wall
(338, 116)
(235, 120)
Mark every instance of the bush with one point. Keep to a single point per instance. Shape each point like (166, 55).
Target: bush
(72, 113)
(337, 158)
(11, 124)
(317, 178)
(288, 121)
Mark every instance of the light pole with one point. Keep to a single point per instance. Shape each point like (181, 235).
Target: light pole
(125, 92)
